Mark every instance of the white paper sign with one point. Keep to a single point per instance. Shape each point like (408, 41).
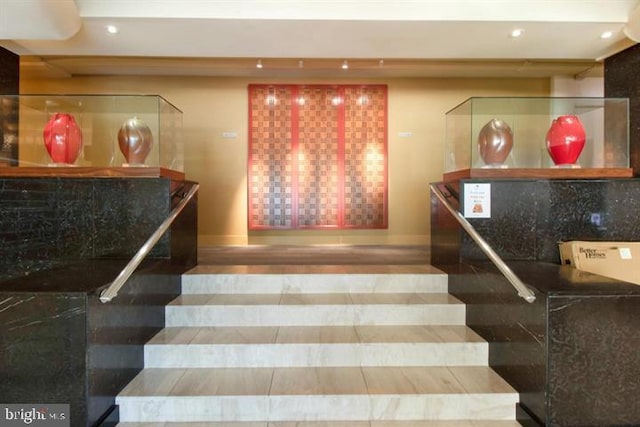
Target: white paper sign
(625, 253)
(477, 200)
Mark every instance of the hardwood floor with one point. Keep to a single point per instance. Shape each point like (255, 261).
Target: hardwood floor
(314, 255)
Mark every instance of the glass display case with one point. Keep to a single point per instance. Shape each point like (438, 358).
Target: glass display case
(517, 134)
(109, 132)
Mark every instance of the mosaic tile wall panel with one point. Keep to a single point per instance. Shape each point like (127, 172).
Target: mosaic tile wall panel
(317, 156)
(270, 155)
(365, 157)
(318, 197)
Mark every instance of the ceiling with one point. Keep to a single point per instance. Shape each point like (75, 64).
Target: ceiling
(313, 38)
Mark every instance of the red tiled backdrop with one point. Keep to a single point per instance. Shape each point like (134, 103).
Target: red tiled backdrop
(317, 156)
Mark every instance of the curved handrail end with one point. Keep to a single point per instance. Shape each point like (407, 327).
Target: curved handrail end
(104, 298)
(523, 291)
(112, 290)
(528, 298)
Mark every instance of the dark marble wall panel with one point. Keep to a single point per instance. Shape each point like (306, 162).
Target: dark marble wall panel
(530, 217)
(48, 222)
(572, 354)
(74, 219)
(121, 228)
(569, 210)
(91, 350)
(586, 210)
(621, 79)
(514, 329)
(593, 346)
(42, 337)
(68, 347)
(9, 85)
(116, 335)
(184, 233)
(446, 232)
(9, 72)
(511, 230)
(28, 226)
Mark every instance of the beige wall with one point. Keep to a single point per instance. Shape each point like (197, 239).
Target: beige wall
(214, 105)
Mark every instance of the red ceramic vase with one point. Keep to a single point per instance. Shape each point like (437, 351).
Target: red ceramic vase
(135, 141)
(62, 138)
(565, 140)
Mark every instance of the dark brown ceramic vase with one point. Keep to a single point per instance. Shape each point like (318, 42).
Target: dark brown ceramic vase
(135, 141)
(495, 142)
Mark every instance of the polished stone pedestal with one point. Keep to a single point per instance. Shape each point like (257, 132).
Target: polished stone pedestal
(572, 354)
(59, 343)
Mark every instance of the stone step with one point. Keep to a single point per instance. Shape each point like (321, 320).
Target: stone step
(423, 423)
(265, 346)
(315, 309)
(352, 281)
(315, 346)
(317, 394)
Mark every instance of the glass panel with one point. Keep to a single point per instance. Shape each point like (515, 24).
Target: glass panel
(603, 122)
(87, 130)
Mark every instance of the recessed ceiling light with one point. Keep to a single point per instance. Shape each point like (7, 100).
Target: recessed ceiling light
(518, 32)
(606, 35)
(112, 29)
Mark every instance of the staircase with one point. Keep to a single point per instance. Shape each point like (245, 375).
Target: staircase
(361, 346)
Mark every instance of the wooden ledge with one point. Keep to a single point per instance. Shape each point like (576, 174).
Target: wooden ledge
(91, 172)
(539, 173)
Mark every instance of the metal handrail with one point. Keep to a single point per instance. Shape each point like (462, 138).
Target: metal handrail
(112, 291)
(523, 290)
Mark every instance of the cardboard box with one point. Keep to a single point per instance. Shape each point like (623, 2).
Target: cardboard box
(618, 260)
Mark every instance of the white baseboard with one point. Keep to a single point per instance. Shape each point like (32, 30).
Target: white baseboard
(225, 240)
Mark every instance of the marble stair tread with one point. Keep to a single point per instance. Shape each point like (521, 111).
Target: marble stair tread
(304, 382)
(314, 348)
(314, 310)
(314, 299)
(422, 423)
(316, 394)
(309, 269)
(331, 280)
(330, 346)
(315, 335)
